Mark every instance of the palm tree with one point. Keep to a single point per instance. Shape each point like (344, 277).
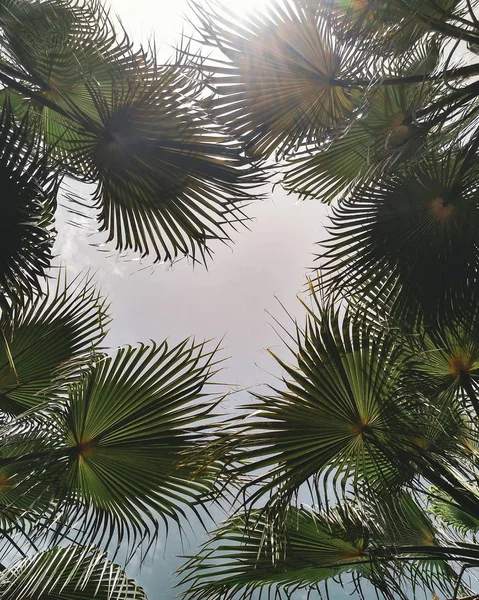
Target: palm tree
(98, 446)
(79, 102)
(368, 106)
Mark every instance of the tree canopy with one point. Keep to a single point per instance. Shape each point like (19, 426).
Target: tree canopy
(370, 106)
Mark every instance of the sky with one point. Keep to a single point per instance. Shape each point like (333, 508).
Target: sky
(235, 299)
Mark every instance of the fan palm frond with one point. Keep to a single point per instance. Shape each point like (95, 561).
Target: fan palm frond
(28, 201)
(390, 26)
(413, 234)
(338, 400)
(119, 446)
(168, 181)
(249, 553)
(47, 342)
(276, 87)
(69, 573)
(246, 555)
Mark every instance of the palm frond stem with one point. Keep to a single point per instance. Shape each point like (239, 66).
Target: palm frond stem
(466, 71)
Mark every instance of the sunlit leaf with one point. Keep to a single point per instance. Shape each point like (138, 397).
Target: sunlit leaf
(275, 88)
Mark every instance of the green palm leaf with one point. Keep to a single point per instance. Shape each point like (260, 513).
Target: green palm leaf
(415, 235)
(274, 90)
(245, 555)
(26, 226)
(48, 342)
(119, 447)
(71, 573)
(448, 359)
(339, 400)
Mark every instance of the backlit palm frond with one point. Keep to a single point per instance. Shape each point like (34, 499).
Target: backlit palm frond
(413, 237)
(348, 542)
(338, 401)
(121, 455)
(27, 205)
(245, 555)
(383, 134)
(168, 181)
(450, 513)
(390, 26)
(48, 342)
(69, 573)
(275, 88)
(61, 45)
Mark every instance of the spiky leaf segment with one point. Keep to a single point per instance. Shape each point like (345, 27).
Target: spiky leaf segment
(28, 202)
(275, 89)
(450, 513)
(413, 237)
(48, 342)
(69, 573)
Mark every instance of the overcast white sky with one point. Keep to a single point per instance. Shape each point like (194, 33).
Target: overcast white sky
(228, 300)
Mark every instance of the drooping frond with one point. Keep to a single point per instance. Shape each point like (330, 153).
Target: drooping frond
(453, 515)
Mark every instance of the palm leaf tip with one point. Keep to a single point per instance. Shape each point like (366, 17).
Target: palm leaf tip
(276, 89)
